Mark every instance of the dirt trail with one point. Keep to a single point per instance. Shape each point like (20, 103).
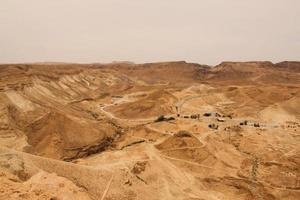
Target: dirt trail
(133, 122)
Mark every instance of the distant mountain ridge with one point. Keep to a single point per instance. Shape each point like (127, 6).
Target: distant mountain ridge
(164, 72)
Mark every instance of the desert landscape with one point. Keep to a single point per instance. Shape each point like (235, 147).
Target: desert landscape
(168, 130)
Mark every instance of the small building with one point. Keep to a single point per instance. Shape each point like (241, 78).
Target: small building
(196, 116)
(244, 123)
(221, 119)
(212, 114)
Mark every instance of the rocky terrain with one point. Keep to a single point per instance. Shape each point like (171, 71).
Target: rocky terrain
(172, 130)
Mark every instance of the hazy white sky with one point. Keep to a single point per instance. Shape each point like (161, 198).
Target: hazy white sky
(204, 31)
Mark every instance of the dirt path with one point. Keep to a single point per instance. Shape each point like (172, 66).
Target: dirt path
(188, 162)
(183, 148)
(158, 130)
(107, 187)
(140, 121)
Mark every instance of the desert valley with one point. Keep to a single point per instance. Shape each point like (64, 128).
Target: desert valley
(170, 131)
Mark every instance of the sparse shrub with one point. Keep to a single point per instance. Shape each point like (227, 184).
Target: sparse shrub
(183, 134)
(163, 118)
(207, 114)
(160, 119)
